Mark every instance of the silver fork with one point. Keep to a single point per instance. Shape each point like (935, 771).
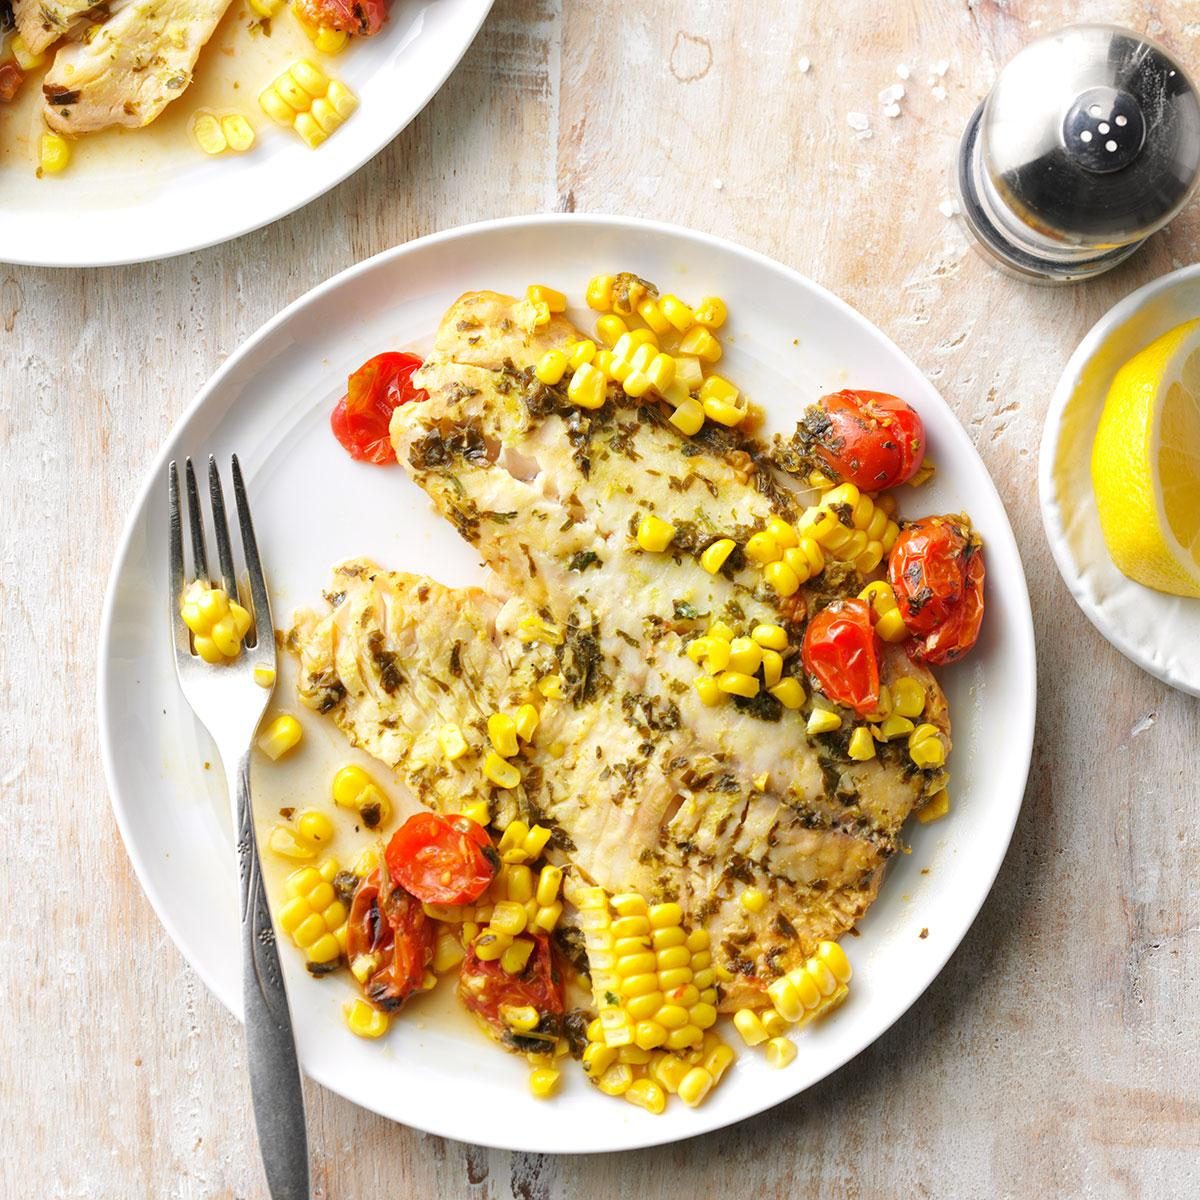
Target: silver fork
(230, 704)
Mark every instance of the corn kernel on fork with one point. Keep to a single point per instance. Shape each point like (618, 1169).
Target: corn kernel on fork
(230, 704)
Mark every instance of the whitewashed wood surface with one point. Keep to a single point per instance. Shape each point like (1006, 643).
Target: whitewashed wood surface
(1057, 1055)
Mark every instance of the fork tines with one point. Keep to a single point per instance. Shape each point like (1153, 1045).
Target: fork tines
(257, 603)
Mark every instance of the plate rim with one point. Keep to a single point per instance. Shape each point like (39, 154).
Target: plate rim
(373, 148)
(1022, 731)
(1051, 441)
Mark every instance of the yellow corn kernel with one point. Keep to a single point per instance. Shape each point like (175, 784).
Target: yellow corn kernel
(315, 827)
(783, 996)
(770, 637)
(600, 292)
(681, 1039)
(283, 734)
(543, 1081)
(925, 747)
(676, 312)
(518, 882)
(745, 655)
(660, 370)
(724, 412)
(330, 41)
(490, 946)
(668, 1071)
(264, 676)
(654, 535)
(702, 1015)
(714, 556)
(355, 789)
(502, 732)
(753, 900)
(597, 1058)
(773, 1024)
(645, 1007)
(890, 534)
(869, 559)
(534, 629)
(521, 1017)
(453, 744)
(649, 1035)
(610, 329)
(476, 810)
(891, 627)
(647, 1094)
(924, 473)
(735, 683)
(547, 916)
(276, 107)
(551, 367)
(762, 548)
(587, 387)
(895, 726)
(650, 312)
(780, 1051)
(707, 689)
(782, 578)
(283, 841)
(27, 60)
(688, 418)
(508, 918)
(715, 654)
(695, 1086)
(364, 1020)
(539, 293)
(908, 696)
(936, 807)
(501, 772)
(447, 953)
(772, 669)
(862, 744)
(580, 352)
(747, 1023)
(699, 342)
(617, 1080)
(54, 152)
(834, 957)
(710, 312)
(210, 137)
(634, 1055)
(823, 720)
(526, 721)
(266, 8)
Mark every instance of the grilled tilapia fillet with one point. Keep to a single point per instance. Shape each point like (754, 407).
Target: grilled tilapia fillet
(645, 787)
(42, 22)
(134, 65)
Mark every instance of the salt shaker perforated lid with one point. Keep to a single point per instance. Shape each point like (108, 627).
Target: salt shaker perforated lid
(1087, 144)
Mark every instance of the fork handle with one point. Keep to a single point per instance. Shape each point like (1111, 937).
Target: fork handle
(275, 1086)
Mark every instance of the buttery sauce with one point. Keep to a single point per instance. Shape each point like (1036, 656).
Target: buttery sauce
(243, 56)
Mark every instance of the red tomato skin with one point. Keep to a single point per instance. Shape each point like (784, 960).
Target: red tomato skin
(873, 440)
(361, 418)
(398, 931)
(936, 570)
(428, 847)
(11, 78)
(361, 17)
(841, 655)
(484, 986)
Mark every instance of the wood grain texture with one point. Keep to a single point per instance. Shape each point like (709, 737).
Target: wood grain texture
(1056, 1054)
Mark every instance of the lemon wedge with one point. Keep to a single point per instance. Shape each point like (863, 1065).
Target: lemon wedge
(1146, 464)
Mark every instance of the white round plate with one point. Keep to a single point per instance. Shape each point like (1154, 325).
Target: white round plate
(1160, 633)
(153, 203)
(787, 341)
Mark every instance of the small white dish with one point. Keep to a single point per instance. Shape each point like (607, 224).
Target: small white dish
(152, 194)
(1160, 633)
(787, 341)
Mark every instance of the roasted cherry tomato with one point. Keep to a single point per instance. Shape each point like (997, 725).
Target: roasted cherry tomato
(394, 928)
(486, 986)
(442, 860)
(841, 654)
(936, 570)
(11, 78)
(361, 17)
(870, 439)
(361, 417)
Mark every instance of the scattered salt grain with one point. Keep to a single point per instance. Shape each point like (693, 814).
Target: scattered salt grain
(863, 134)
(858, 120)
(891, 110)
(948, 207)
(719, 184)
(939, 93)
(891, 94)
(804, 64)
(903, 71)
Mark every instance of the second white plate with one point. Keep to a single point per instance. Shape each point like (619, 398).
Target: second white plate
(1160, 633)
(151, 193)
(787, 342)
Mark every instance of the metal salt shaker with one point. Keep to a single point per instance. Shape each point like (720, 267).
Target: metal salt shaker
(1088, 143)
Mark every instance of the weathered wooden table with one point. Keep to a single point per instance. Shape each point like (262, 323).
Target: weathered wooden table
(1056, 1055)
